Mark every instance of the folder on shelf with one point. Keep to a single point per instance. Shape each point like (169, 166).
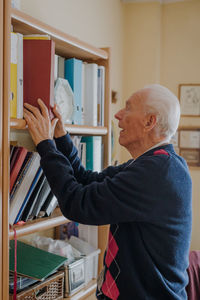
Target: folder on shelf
(13, 76)
(100, 95)
(16, 84)
(23, 184)
(28, 195)
(90, 93)
(34, 262)
(44, 192)
(33, 198)
(73, 73)
(93, 152)
(39, 72)
(16, 164)
(49, 205)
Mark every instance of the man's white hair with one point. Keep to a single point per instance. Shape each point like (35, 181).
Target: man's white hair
(165, 105)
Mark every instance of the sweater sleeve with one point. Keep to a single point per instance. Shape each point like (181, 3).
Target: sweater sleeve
(65, 145)
(130, 195)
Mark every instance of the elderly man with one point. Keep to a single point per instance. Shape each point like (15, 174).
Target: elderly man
(146, 201)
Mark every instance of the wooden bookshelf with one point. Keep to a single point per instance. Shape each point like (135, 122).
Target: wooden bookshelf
(85, 292)
(66, 46)
(39, 224)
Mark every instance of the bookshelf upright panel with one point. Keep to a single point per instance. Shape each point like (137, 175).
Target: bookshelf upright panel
(6, 147)
(1, 136)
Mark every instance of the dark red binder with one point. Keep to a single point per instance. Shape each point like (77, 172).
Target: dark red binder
(39, 72)
(17, 164)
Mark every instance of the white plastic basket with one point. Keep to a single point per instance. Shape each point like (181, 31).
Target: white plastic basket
(90, 255)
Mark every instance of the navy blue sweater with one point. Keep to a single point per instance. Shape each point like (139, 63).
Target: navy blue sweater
(148, 204)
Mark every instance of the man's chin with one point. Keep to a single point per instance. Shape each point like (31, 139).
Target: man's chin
(121, 141)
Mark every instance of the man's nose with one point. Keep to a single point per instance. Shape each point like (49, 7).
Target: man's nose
(118, 115)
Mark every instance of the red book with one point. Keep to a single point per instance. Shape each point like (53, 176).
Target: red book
(19, 159)
(39, 72)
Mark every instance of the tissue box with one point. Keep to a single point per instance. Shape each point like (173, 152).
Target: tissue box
(74, 277)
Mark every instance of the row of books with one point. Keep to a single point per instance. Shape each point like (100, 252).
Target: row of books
(30, 193)
(35, 69)
(90, 151)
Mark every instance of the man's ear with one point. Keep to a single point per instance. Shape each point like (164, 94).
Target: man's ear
(150, 122)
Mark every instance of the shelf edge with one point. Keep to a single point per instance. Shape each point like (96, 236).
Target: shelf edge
(37, 226)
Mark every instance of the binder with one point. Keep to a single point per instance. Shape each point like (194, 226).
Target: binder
(90, 94)
(24, 182)
(73, 73)
(39, 72)
(34, 262)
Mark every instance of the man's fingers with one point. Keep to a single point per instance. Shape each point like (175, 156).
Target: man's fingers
(56, 111)
(43, 108)
(30, 120)
(53, 124)
(29, 115)
(33, 109)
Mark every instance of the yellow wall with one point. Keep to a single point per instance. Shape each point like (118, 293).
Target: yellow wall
(163, 45)
(181, 64)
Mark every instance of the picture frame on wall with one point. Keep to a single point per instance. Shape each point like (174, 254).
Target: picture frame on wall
(191, 156)
(189, 96)
(189, 145)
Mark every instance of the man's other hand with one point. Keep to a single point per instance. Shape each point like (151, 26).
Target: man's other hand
(60, 128)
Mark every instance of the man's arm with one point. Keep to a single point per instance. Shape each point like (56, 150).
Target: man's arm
(65, 145)
(124, 198)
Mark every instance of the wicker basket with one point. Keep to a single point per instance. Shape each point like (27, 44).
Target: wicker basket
(50, 289)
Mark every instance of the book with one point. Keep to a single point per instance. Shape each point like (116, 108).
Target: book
(20, 76)
(73, 73)
(100, 95)
(39, 72)
(90, 94)
(13, 76)
(33, 262)
(16, 75)
(28, 195)
(24, 182)
(93, 152)
(33, 198)
(49, 205)
(21, 173)
(42, 196)
(37, 37)
(18, 159)
(59, 67)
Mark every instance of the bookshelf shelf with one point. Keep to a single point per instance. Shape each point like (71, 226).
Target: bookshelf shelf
(54, 220)
(66, 45)
(73, 129)
(85, 292)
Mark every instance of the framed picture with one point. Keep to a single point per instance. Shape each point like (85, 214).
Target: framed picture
(189, 96)
(189, 139)
(189, 145)
(191, 156)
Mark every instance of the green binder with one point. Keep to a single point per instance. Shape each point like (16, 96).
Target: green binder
(34, 262)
